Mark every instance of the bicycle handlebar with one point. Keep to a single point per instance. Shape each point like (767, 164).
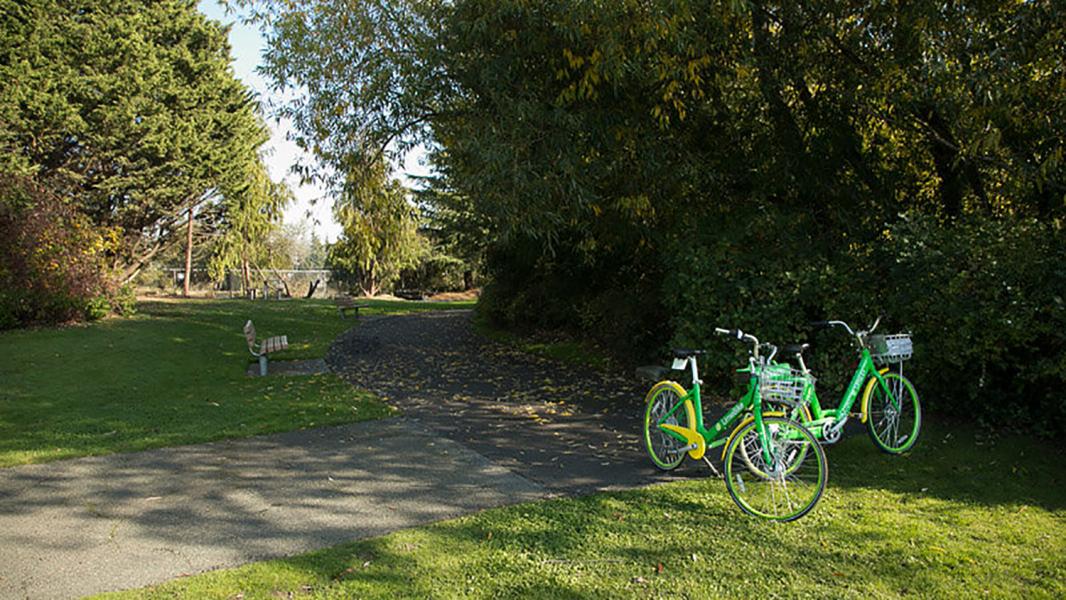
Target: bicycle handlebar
(858, 334)
(747, 337)
(736, 333)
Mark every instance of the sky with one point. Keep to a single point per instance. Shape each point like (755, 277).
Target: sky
(312, 205)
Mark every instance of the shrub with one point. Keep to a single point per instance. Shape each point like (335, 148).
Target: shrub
(52, 265)
(983, 298)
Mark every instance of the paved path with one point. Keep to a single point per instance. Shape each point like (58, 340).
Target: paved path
(484, 425)
(571, 430)
(89, 525)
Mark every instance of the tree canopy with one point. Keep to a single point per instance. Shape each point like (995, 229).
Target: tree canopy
(645, 170)
(129, 109)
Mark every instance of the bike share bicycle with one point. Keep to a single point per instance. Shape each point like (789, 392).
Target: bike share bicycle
(774, 467)
(890, 407)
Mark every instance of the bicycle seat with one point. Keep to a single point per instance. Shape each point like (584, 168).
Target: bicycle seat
(795, 348)
(685, 353)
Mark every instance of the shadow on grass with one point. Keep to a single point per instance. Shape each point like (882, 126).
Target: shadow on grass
(683, 539)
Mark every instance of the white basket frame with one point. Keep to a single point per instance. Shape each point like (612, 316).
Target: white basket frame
(890, 349)
(783, 384)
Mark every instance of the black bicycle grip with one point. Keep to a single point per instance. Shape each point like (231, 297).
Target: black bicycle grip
(819, 323)
(733, 333)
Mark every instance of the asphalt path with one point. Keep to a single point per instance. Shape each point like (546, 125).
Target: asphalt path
(483, 425)
(572, 430)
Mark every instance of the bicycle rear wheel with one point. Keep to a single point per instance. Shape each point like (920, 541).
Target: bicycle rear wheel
(787, 486)
(664, 449)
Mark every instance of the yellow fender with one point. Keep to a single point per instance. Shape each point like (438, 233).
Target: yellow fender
(689, 433)
(866, 394)
(743, 424)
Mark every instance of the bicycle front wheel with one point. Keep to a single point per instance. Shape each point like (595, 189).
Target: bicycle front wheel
(664, 449)
(894, 422)
(786, 485)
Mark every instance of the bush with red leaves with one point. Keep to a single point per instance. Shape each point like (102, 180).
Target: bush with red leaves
(52, 267)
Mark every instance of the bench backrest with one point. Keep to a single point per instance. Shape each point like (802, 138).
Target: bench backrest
(344, 300)
(249, 334)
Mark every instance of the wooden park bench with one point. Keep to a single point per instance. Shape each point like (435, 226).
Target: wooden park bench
(348, 303)
(270, 344)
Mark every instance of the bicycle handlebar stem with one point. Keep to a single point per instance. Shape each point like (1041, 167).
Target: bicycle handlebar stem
(744, 337)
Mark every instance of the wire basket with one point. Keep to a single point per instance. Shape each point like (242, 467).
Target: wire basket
(889, 349)
(782, 383)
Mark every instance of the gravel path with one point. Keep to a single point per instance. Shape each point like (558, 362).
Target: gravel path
(571, 430)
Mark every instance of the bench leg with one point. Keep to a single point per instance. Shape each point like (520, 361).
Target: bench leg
(262, 366)
(341, 311)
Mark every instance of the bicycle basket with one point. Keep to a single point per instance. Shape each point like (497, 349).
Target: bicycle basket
(888, 349)
(782, 383)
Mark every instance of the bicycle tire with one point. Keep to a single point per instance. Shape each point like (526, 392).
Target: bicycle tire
(765, 494)
(663, 448)
(883, 424)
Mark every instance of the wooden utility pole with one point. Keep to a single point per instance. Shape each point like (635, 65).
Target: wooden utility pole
(188, 255)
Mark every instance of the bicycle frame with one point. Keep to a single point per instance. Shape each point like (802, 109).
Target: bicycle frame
(863, 371)
(713, 437)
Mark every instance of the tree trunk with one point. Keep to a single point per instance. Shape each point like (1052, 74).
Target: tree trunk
(188, 256)
(284, 284)
(246, 276)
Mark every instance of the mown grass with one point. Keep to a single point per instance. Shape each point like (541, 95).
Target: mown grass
(953, 519)
(173, 374)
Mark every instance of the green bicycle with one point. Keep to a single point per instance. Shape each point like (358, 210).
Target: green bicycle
(889, 408)
(774, 467)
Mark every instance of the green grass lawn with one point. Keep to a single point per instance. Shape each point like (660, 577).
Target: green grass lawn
(953, 519)
(173, 374)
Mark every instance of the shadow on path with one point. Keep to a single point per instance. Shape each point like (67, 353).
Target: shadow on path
(76, 527)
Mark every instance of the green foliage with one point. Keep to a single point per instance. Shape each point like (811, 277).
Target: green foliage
(985, 299)
(250, 222)
(982, 297)
(434, 272)
(643, 171)
(380, 237)
(128, 109)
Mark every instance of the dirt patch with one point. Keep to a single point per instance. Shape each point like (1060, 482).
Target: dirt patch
(455, 296)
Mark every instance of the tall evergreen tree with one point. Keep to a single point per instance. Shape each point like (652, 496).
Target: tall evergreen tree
(128, 108)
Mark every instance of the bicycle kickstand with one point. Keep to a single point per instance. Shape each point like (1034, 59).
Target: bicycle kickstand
(713, 469)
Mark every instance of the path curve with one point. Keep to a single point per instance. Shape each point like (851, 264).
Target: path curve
(569, 429)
